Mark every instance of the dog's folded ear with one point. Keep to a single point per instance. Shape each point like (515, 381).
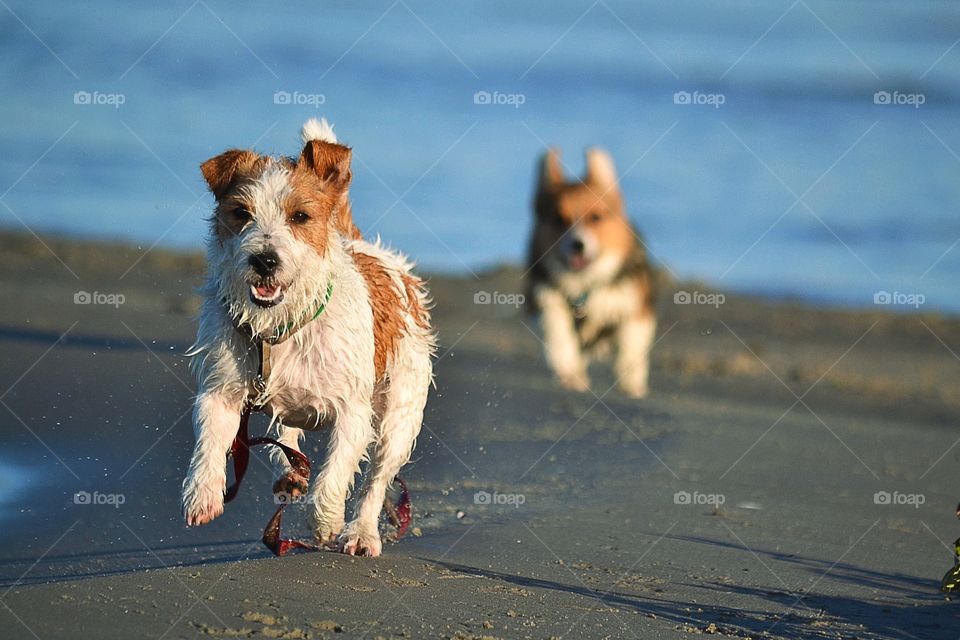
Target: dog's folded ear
(551, 174)
(330, 161)
(220, 171)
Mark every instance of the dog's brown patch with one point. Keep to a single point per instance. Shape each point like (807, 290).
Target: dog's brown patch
(225, 174)
(414, 288)
(310, 209)
(328, 166)
(389, 325)
(223, 170)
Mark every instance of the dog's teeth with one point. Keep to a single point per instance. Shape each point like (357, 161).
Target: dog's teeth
(264, 292)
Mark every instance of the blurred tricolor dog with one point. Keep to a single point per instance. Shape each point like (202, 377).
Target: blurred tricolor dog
(589, 277)
(345, 321)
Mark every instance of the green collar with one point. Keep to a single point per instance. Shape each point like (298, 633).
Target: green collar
(285, 330)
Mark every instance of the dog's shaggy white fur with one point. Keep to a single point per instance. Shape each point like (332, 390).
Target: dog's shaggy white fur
(362, 367)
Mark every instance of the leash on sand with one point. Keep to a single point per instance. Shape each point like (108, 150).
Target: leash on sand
(399, 514)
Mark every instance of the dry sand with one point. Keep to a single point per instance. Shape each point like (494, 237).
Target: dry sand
(794, 417)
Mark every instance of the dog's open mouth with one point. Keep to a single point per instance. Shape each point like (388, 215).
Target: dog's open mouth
(266, 294)
(577, 261)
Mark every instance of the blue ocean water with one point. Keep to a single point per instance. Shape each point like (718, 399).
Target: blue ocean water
(756, 151)
(13, 480)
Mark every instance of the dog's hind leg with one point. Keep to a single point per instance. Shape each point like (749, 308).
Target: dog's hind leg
(351, 436)
(409, 382)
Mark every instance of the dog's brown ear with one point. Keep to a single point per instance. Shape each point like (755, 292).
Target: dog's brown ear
(330, 161)
(551, 174)
(601, 171)
(220, 170)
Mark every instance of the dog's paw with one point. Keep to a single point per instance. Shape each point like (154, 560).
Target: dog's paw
(361, 542)
(632, 381)
(634, 390)
(290, 486)
(202, 502)
(574, 381)
(325, 531)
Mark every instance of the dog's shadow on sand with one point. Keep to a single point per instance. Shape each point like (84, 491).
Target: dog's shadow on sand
(89, 341)
(792, 615)
(69, 567)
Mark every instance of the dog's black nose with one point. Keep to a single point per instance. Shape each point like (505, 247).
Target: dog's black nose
(577, 247)
(265, 264)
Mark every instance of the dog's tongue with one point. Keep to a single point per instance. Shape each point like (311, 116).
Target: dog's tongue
(577, 261)
(266, 291)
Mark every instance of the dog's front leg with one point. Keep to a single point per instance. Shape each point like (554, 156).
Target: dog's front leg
(397, 431)
(633, 354)
(352, 434)
(215, 421)
(560, 337)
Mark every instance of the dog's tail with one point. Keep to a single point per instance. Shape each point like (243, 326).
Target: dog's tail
(314, 129)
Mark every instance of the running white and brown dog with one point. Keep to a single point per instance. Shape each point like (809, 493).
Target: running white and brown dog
(589, 276)
(285, 257)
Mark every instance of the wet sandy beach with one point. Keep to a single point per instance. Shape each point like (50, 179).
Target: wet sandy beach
(793, 474)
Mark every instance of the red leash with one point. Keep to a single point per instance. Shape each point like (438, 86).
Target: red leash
(399, 514)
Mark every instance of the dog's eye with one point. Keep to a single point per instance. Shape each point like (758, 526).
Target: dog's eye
(595, 217)
(241, 215)
(299, 218)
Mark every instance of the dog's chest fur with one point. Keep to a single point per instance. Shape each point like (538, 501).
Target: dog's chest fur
(604, 308)
(323, 364)
(604, 296)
